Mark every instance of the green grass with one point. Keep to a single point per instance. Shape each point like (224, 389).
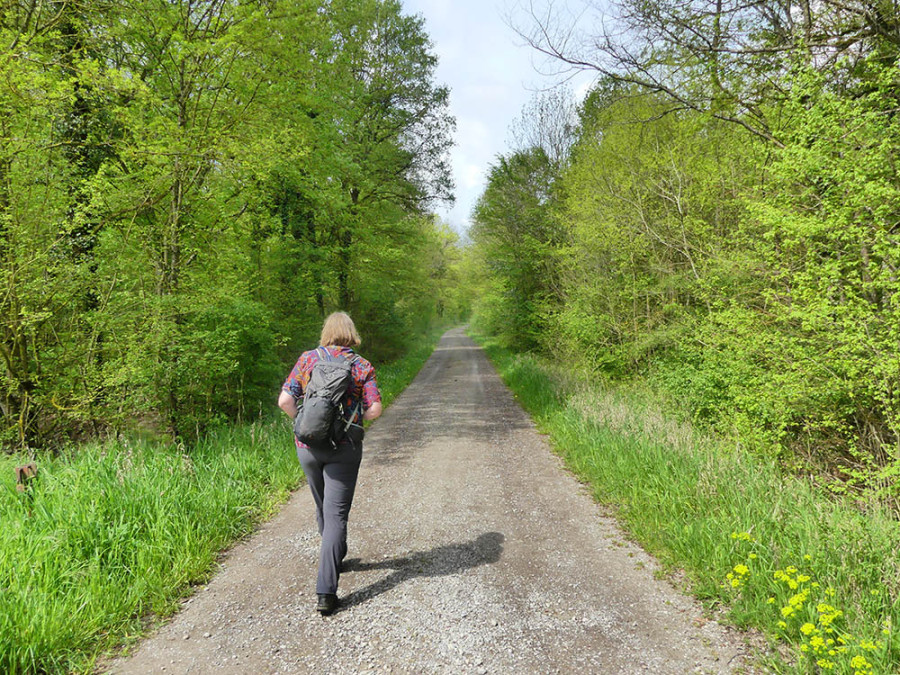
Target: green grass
(114, 534)
(115, 531)
(706, 508)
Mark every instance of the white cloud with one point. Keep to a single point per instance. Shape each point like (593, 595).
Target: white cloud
(471, 132)
(472, 176)
(434, 11)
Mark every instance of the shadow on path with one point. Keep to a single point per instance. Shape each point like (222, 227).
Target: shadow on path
(439, 561)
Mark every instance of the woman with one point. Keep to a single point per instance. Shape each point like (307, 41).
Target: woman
(332, 473)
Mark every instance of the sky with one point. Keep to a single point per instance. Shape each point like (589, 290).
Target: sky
(491, 77)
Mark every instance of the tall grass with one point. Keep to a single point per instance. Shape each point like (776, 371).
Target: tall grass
(117, 530)
(113, 533)
(813, 572)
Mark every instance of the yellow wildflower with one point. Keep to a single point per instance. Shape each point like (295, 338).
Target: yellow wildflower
(859, 662)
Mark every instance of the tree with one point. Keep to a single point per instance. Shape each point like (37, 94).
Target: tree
(391, 124)
(726, 58)
(514, 225)
(549, 122)
(830, 218)
(39, 277)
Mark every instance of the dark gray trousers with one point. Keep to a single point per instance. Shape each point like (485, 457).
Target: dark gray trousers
(331, 475)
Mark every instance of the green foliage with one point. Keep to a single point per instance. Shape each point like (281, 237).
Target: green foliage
(651, 225)
(752, 277)
(513, 225)
(184, 195)
(829, 221)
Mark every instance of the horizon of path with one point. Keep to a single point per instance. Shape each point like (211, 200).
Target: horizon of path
(471, 550)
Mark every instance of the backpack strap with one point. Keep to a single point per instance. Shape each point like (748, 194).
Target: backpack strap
(351, 421)
(356, 410)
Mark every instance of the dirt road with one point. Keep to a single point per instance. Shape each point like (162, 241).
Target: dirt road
(471, 551)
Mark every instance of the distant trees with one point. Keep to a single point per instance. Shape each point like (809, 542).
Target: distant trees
(725, 223)
(513, 225)
(186, 188)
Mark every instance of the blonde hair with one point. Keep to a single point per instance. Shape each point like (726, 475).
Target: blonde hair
(339, 330)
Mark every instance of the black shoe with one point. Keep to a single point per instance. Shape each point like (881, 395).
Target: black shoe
(328, 602)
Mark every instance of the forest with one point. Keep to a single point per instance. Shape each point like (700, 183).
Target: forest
(688, 276)
(717, 221)
(188, 188)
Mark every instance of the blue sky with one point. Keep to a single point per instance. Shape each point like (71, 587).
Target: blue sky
(491, 76)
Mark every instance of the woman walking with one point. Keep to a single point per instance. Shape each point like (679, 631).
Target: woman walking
(331, 473)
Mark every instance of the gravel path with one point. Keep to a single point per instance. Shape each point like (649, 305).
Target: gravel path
(471, 551)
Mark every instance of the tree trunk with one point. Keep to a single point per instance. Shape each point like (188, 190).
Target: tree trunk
(344, 257)
(317, 265)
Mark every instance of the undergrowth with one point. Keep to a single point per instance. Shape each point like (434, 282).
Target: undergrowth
(815, 573)
(111, 535)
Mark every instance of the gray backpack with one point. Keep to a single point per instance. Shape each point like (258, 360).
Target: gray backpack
(321, 422)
